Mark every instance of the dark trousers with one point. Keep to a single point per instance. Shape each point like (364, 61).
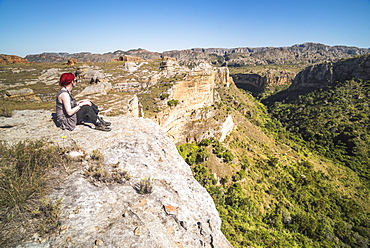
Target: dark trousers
(88, 113)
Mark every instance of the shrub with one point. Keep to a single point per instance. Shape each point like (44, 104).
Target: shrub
(97, 155)
(202, 156)
(145, 186)
(228, 156)
(164, 96)
(205, 142)
(239, 175)
(173, 103)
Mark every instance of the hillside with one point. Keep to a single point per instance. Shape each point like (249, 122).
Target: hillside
(274, 185)
(275, 189)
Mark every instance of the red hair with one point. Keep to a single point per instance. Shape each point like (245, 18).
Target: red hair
(66, 79)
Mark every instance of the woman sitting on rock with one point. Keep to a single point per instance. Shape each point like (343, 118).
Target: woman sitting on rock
(70, 112)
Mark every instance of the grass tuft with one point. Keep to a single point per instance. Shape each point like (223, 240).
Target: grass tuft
(25, 178)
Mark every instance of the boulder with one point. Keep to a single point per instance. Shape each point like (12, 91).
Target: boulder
(50, 76)
(25, 94)
(21, 92)
(132, 66)
(90, 73)
(99, 88)
(72, 61)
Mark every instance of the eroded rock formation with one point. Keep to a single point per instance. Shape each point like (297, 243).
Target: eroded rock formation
(322, 75)
(257, 83)
(194, 93)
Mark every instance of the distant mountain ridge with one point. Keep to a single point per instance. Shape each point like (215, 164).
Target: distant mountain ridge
(310, 53)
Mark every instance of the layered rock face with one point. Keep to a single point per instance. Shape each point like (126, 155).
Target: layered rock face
(178, 213)
(194, 93)
(322, 75)
(258, 83)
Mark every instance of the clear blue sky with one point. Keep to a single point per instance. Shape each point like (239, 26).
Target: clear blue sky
(100, 26)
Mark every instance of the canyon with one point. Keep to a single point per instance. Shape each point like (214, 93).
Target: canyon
(155, 102)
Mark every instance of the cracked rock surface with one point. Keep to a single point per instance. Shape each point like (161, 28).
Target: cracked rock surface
(178, 213)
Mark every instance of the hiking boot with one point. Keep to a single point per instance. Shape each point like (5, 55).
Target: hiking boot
(101, 127)
(105, 123)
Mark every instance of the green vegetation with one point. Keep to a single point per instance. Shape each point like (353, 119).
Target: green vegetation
(274, 204)
(278, 190)
(164, 96)
(173, 102)
(334, 122)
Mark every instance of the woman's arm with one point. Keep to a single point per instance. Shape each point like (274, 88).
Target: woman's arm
(66, 100)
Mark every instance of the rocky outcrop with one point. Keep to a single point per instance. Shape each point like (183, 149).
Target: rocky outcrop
(227, 127)
(128, 58)
(50, 76)
(94, 74)
(90, 57)
(25, 94)
(178, 213)
(322, 75)
(308, 53)
(133, 66)
(12, 59)
(97, 89)
(72, 61)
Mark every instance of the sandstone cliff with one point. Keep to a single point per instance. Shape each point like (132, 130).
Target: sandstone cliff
(178, 213)
(324, 75)
(194, 94)
(257, 83)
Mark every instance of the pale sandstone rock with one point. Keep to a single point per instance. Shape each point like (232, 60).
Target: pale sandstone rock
(50, 76)
(133, 66)
(14, 93)
(194, 93)
(25, 94)
(322, 75)
(179, 212)
(227, 127)
(99, 88)
(95, 75)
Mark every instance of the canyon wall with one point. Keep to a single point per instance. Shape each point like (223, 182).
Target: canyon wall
(194, 94)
